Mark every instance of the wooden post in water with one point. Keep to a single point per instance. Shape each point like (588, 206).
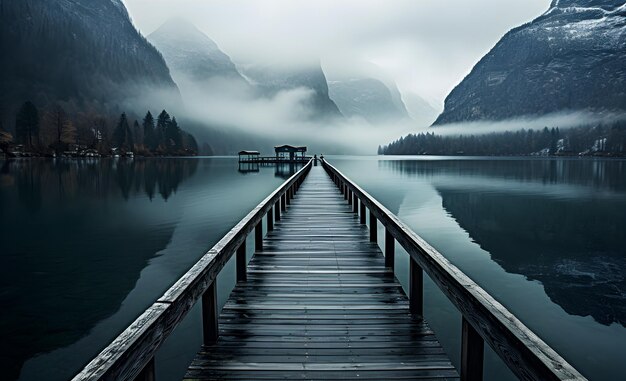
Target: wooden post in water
(258, 236)
(472, 353)
(362, 214)
(270, 220)
(242, 274)
(390, 249)
(373, 228)
(148, 372)
(210, 328)
(416, 292)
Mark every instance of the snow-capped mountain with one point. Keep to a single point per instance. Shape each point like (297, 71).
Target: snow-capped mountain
(367, 98)
(572, 57)
(77, 51)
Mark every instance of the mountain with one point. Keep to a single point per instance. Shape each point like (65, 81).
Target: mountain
(368, 98)
(419, 109)
(194, 59)
(271, 79)
(571, 57)
(81, 52)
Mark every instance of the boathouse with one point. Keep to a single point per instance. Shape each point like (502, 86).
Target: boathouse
(248, 156)
(291, 153)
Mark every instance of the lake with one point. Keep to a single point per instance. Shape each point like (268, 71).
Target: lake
(87, 245)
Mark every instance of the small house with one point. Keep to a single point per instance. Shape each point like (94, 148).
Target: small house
(248, 156)
(290, 153)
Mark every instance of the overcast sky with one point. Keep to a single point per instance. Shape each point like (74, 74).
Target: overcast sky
(426, 46)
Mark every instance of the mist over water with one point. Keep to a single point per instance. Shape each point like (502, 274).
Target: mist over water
(562, 120)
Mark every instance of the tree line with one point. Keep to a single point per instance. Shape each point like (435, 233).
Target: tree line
(604, 139)
(54, 131)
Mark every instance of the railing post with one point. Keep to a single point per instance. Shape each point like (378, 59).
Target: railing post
(258, 236)
(288, 196)
(148, 372)
(210, 327)
(355, 204)
(345, 191)
(283, 202)
(390, 249)
(277, 210)
(242, 275)
(472, 353)
(270, 219)
(349, 197)
(373, 228)
(416, 289)
(362, 214)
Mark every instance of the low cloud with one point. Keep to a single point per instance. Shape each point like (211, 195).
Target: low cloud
(562, 120)
(283, 117)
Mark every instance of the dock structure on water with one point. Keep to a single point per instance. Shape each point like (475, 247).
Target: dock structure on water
(319, 300)
(285, 154)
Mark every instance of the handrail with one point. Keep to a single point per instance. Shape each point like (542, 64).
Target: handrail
(131, 355)
(484, 318)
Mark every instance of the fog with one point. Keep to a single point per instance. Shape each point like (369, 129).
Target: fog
(284, 118)
(425, 46)
(562, 120)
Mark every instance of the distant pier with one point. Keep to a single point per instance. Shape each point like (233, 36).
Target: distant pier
(285, 154)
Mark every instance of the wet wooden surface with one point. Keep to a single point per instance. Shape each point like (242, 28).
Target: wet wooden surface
(319, 303)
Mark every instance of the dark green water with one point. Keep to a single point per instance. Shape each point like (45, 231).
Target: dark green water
(86, 246)
(545, 237)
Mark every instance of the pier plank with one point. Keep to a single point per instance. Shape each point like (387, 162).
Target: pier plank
(319, 303)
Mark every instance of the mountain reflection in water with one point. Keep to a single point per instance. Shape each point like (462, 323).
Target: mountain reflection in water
(560, 222)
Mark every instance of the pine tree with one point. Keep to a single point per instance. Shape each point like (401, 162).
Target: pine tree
(27, 124)
(173, 136)
(162, 122)
(137, 134)
(119, 135)
(149, 138)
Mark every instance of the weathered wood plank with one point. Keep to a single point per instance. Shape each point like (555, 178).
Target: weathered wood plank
(320, 303)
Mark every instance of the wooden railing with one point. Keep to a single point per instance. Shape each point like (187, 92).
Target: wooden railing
(131, 355)
(484, 319)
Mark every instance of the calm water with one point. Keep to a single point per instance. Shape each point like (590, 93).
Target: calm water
(86, 246)
(545, 237)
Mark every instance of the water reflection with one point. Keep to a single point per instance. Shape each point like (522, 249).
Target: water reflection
(595, 174)
(556, 221)
(286, 170)
(281, 170)
(71, 251)
(74, 178)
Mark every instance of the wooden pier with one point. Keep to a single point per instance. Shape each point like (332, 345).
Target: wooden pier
(319, 300)
(319, 303)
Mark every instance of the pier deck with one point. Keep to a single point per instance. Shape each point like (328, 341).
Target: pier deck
(319, 303)
(319, 300)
